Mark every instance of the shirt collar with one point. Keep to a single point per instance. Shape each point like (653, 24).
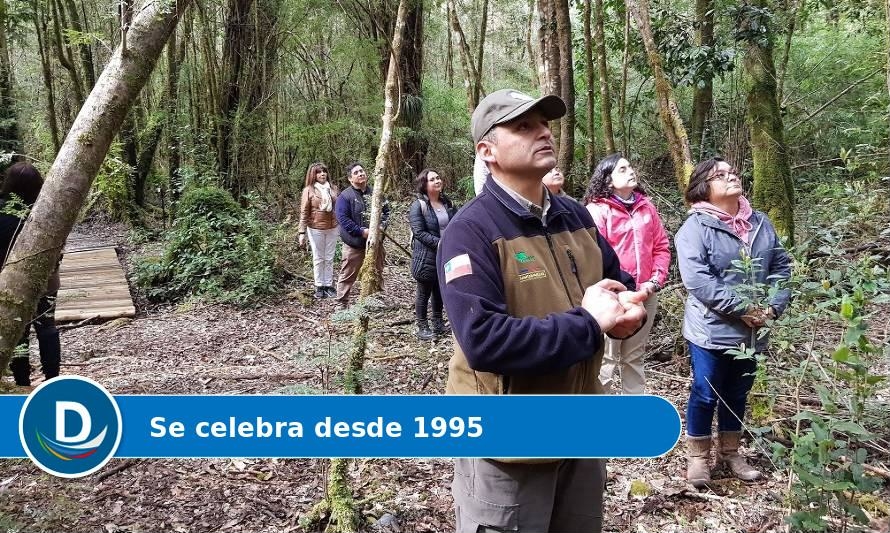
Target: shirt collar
(533, 208)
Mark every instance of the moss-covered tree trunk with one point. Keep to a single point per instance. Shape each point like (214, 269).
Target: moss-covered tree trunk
(9, 131)
(344, 515)
(36, 251)
(773, 187)
(566, 153)
(605, 96)
(590, 79)
(703, 97)
(674, 130)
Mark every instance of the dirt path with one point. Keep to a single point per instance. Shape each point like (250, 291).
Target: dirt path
(283, 347)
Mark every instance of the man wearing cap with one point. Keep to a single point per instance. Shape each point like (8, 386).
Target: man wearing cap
(530, 288)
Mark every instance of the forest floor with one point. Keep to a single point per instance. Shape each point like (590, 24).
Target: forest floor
(284, 346)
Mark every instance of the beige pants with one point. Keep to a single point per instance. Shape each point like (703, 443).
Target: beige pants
(627, 355)
(349, 270)
(560, 497)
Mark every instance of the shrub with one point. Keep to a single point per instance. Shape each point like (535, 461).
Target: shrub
(216, 250)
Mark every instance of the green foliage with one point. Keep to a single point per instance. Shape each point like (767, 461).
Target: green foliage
(216, 251)
(111, 189)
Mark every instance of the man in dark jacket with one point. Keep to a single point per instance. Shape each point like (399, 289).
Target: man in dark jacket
(530, 287)
(353, 212)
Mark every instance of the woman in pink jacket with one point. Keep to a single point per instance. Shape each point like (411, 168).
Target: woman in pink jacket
(628, 220)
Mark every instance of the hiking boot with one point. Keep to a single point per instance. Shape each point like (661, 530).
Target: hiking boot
(330, 292)
(728, 453)
(423, 330)
(698, 453)
(439, 327)
(320, 293)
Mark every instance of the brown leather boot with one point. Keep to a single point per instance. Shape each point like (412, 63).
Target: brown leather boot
(729, 454)
(698, 453)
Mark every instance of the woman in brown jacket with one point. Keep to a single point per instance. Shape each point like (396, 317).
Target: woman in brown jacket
(317, 217)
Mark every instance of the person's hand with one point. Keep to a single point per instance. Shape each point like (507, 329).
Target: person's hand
(649, 288)
(754, 317)
(634, 314)
(365, 232)
(601, 301)
(301, 240)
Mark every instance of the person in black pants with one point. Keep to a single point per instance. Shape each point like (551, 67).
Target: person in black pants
(21, 186)
(428, 216)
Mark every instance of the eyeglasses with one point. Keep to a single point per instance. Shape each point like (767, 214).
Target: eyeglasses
(727, 176)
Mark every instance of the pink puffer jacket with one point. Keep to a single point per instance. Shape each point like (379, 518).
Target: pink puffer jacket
(638, 237)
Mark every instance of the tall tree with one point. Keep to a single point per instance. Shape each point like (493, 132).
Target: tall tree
(565, 155)
(40, 27)
(605, 96)
(36, 251)
(703, 96)
(250, 55)
(9, 131)
(773, 187)
(622, 97)
(674, 130)
(590, 79)
(471, 78)
(413, 146)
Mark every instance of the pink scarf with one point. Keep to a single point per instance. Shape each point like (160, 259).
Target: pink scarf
(739, 224)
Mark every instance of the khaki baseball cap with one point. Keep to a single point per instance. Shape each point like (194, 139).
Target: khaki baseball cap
(505, 105)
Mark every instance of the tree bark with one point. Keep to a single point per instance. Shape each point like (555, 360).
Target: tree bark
(566, 153)
(622, 98)
(36, 251)
(84, 50)
(9, 130)
(703, 96)
(410, 157)
(605, 98)
(64, 54)
(530, 49)
(46, 71)
(773, 187)
(590, 78)
(791, 12)
(675, 131)
(480, 52)
(466, 59)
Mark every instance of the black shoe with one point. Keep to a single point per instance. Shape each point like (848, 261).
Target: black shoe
(423, 331)
(319, 293)
(330, 292)
(439, 328)
(21, 371)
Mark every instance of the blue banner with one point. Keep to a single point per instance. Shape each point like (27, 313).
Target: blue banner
(173, 426)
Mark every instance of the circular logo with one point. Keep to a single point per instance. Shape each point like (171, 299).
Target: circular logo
(70, 426)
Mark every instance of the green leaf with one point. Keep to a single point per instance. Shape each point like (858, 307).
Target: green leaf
(842, 354)
(852, 428)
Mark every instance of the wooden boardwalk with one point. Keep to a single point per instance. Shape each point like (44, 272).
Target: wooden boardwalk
(93, 286)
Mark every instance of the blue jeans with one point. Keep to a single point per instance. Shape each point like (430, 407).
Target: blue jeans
(716, 376)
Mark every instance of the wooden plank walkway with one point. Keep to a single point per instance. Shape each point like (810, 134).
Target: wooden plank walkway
(93, 286)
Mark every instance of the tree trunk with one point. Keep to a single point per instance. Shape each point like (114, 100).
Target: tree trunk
(480, 52)
(773, 187)
(566, 153)
(84, 50)
(36, 251)
(529, 48)
(175, 58)
(590, 78)
(605, 98)
(703, 97)
(675, 131)
(65, 56)
(791, 12)
(9, 131)
(622, 97)
(466, 60)
(46, 71)
(344, 515)
(413, 146)
(887, 33)
(449, 51)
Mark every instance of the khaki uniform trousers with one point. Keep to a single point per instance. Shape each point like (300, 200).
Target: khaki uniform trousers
(627, 356)
(565, 496)
(350, 266)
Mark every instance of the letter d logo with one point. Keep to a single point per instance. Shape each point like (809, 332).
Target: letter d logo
(70, 426)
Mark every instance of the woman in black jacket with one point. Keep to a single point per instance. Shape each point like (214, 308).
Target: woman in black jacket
(428, 216)
(21, 186)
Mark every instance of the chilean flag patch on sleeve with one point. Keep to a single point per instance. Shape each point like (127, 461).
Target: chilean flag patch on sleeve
(457, 267)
